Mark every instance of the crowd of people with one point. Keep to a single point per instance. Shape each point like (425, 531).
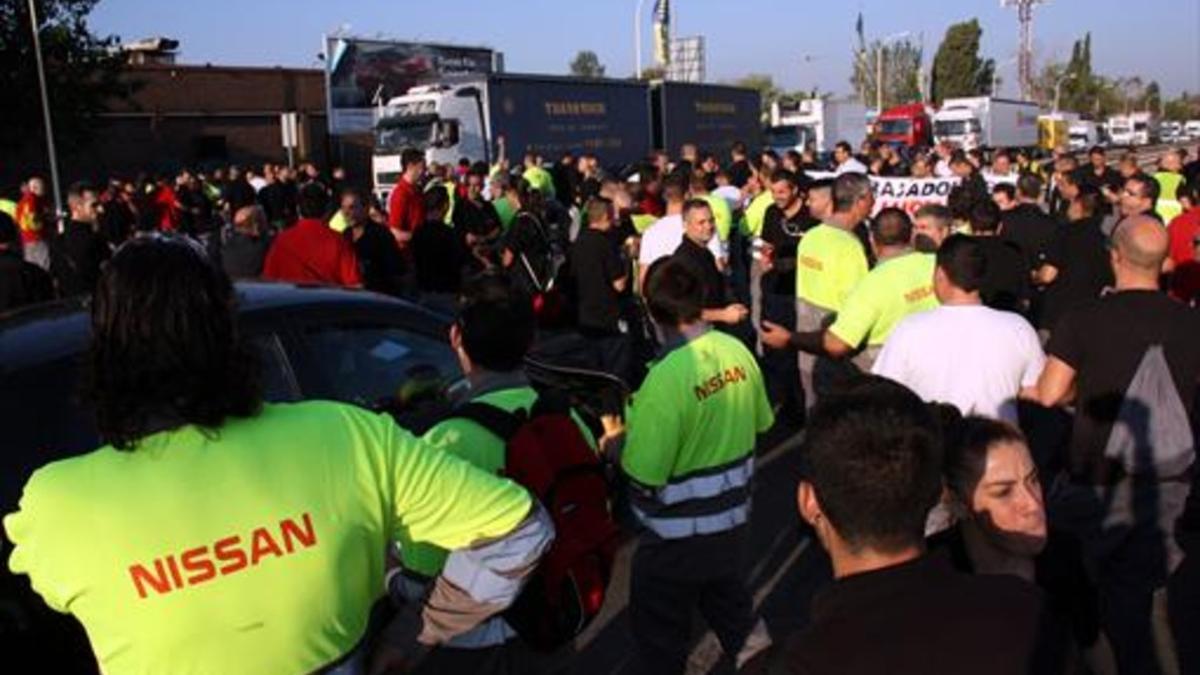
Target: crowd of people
(997, 395)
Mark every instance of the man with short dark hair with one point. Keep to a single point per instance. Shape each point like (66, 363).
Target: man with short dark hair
(1006, 281)
(1005, 196)
(380, 263)
(964, 353)
(1027, 226)
(1185, 237)
(309, 252)
(739, 165)
(406, 210)
(1099, 175)
(1138, 197)
(600, 276)
(698, 232)
(77, 254)
(875, 456)
(493, 332)
(846, 162)
(970, 180)
(1129, 364)
(689, 457)
(1076, 267)
(437, 251)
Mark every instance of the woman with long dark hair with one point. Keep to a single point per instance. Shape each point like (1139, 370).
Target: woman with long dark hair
(216, 533)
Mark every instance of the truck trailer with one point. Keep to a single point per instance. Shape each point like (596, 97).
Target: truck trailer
(984, 122)
(818, 124)
(618, 121)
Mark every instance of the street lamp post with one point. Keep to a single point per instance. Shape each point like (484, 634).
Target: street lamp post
(41, 73)
(637, 38)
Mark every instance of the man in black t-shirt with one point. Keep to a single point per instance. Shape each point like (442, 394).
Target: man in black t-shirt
(1076, 267)
(698, 231)
(1124, 514)
(784, 223)
(874, 456)
(1026, 224)
(380, 263)
(1101, 177)
(598, 277)
(437, 250)
(1006, 281)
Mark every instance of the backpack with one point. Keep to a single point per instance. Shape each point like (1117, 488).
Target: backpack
(1152, 435)
(548, 455)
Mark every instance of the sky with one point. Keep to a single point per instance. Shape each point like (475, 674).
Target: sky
(801, 43)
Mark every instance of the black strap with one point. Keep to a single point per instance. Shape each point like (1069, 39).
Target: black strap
(499, 422)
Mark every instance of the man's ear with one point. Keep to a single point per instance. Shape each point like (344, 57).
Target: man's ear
(808, 504)
(455, 336)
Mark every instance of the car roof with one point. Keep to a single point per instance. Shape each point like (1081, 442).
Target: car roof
(45, 332)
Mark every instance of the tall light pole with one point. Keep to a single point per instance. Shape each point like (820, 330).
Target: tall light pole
(879, 67)
(1058, 88)
(996, 75)
(637, 38)
(41, 73)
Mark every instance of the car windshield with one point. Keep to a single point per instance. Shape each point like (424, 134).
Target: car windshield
(395, 134)
(895, 127)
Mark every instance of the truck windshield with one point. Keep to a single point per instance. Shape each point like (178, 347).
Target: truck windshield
(1139, 126)
(955, 127)
(783, 137)
(394, 134)
(895, 127)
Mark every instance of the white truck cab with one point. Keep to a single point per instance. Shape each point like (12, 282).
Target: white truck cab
(443, 121)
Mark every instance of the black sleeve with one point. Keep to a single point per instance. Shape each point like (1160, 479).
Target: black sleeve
(1056, 251)
(1066, 341)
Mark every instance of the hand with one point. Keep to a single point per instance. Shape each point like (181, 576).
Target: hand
(736, 313)
(774, 335)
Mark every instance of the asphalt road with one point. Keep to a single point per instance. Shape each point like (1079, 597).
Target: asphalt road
(784, 567)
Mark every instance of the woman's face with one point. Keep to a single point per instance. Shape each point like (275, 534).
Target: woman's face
(1007, 503)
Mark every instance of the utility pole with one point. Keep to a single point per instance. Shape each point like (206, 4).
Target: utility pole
(1025, 43)
(41, 73)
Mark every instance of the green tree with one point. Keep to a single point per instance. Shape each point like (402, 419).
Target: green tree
(82, 72)
(957, 68)
(1186, 107)
(765, 86)
(587, 64)
(1152, 98)
(901, 72)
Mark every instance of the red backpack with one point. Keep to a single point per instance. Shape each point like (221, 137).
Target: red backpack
(548, 455)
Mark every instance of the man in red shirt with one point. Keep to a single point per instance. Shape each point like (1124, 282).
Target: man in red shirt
(406, 209)
(309, 252)
(1185, 253)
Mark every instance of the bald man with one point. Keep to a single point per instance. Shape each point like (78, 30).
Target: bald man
(1129, 361)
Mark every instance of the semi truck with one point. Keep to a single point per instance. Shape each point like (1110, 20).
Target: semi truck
(818, 124)
(618, 121)
(712, 117)
(1054, 129)
(984, 122)
(907, 125)
(1132, 129)
(1084, 134)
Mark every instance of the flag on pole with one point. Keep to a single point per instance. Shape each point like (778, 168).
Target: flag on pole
(662, 31)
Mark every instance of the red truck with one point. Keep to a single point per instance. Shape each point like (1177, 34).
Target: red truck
(908, 125)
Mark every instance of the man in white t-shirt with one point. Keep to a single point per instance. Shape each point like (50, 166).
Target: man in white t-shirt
(666, 234)
(963, 353)
(846, 161)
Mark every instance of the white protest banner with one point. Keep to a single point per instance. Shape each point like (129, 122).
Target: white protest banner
(907, 194)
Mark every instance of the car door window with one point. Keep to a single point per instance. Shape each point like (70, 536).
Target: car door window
(278, 381)
(380, 367)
